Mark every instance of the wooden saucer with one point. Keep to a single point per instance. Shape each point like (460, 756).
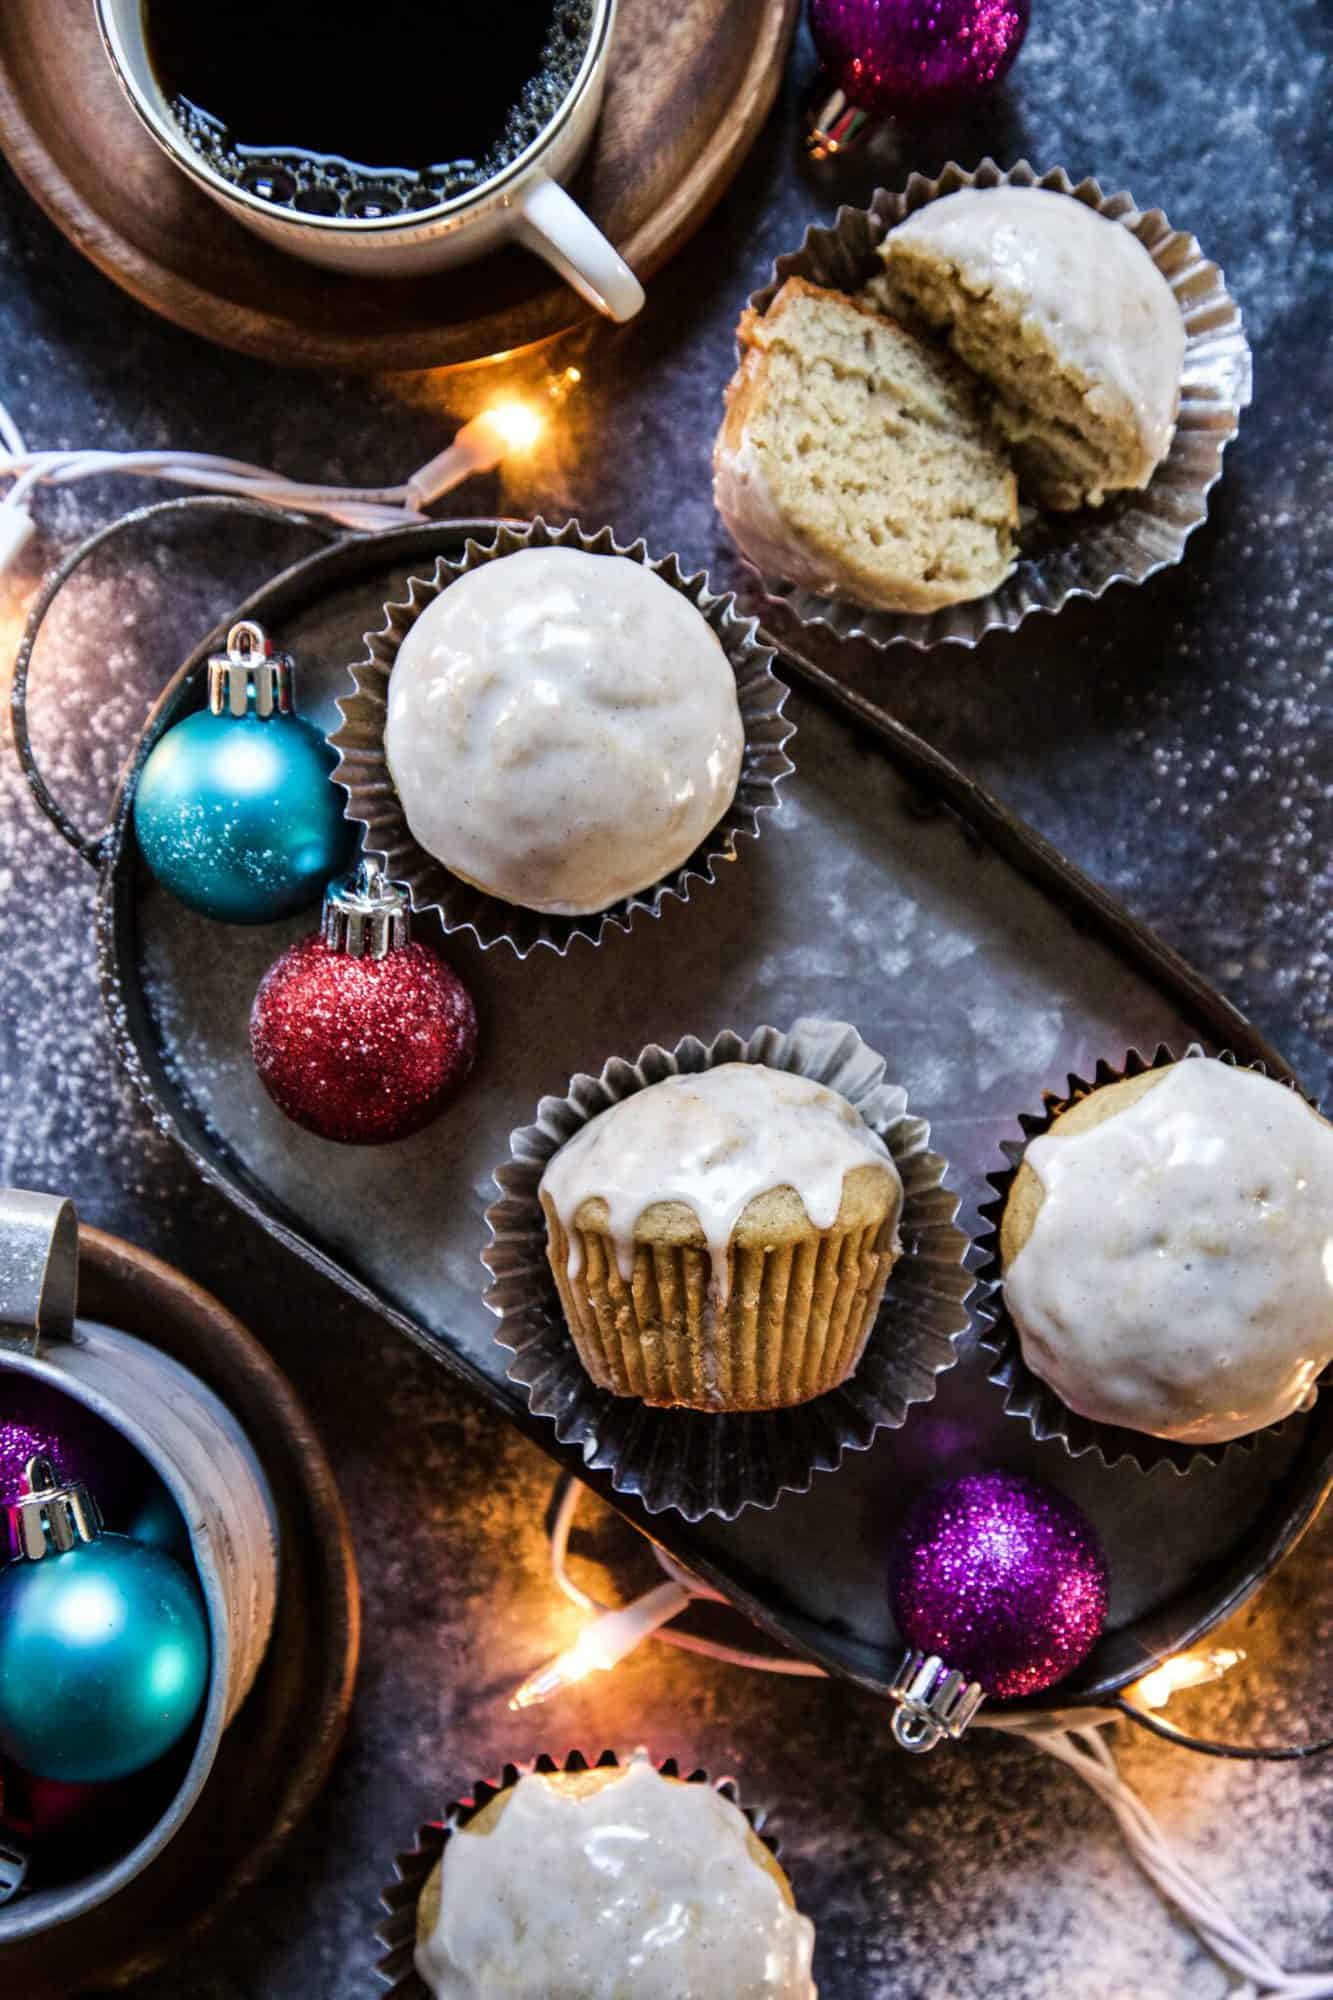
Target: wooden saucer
(276, 1755)
(690, 84)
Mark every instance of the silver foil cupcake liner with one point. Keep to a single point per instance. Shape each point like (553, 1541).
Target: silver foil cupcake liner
(1078, 555)
(1026, 1395)
(372, 801)
(696, 1462)
(397, 1934)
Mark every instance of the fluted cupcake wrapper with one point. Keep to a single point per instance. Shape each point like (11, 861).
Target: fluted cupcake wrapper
(373, 803)
(1026, 1395)
(702, 1463)
(1134, 534)
(397, 1934)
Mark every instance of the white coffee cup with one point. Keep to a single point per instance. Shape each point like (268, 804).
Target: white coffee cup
(524, 203)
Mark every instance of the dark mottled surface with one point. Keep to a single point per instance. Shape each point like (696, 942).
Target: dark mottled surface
(1175, 741)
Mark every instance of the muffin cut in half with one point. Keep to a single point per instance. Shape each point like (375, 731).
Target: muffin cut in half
(722, 1241)
(1064, 315)
(856, 460)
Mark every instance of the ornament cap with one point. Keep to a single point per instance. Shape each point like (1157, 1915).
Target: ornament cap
(250, 677)
(13, 1864)
(53, 1516)
(365, 914)
(932, 1700)
(834, 125)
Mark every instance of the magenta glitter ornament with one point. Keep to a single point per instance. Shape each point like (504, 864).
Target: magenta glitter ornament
(39, 1422)
(905, 56)
(1003, 1580)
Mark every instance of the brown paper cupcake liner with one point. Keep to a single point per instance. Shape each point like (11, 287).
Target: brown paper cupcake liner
(372, 802)
(397, 1934)
(1026, 1395)
(698, 1462)
(765, 1365)
(1134, 534)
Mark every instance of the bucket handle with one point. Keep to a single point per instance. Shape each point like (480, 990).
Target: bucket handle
(92, 846)
(39, 1269)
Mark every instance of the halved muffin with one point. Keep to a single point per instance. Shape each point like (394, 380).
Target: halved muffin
(855, 459)
(1064, 316)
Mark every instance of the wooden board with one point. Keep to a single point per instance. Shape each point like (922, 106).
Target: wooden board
(689, 86)
(276, 1755)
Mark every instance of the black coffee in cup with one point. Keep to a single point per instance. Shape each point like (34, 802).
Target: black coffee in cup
(364, 108)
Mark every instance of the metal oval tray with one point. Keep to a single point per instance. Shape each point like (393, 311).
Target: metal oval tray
(888, 890)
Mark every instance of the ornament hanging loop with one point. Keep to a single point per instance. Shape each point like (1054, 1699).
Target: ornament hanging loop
(834, 125)
(365, 914)
(931, 1701)
(52, 1517)
(39, 1269)
(250, 676)
(13, 1865)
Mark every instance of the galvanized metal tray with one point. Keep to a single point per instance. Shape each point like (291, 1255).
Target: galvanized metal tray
(888, 890)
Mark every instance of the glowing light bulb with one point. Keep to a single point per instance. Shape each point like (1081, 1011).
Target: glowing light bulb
(1186, 1670)
(478, 447)
(603, 1644)
(518, 425)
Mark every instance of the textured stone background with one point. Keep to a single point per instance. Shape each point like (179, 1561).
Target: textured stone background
(1174, 741)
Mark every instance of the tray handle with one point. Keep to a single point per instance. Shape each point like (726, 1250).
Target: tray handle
(92, 845)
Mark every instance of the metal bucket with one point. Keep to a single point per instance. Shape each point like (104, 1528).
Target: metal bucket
(201, 1455)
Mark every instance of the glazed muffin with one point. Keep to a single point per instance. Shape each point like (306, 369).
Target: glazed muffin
(721, 1241)
(1166, 1252)
(1063, 314)
(563, 729)
(855, 459)
(610, 1884)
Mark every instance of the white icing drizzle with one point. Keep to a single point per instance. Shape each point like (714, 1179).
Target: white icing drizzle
(1086, 280)
(563, 729)
(1179, 1276)
(642, 1890)
(713, 1141)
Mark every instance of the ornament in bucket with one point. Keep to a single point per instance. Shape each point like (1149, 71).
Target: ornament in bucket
(103, 1641)
(115, 1656)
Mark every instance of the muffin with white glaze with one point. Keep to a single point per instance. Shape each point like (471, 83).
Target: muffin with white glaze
(721, 1240)
(1167, 1248)
(1063, 315)
(563, 729)
(610, 1884)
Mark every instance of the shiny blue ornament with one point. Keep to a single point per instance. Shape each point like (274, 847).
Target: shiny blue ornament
(159, 1524)
(104, 1648)
(235, 809)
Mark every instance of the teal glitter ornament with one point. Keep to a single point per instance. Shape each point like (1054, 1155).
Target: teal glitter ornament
(104, 1649)
(235, 809)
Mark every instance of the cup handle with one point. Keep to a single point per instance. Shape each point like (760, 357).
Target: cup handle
(39, 1269)
(548, 221)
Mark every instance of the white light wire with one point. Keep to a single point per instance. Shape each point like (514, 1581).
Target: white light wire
(479, 445)
(1082, 1750)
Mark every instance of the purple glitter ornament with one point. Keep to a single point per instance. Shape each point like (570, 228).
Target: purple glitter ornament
(906, 56)
(38, 1421)
(1002, 1579)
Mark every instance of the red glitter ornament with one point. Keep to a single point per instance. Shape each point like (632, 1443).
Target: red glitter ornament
(358, 1033)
